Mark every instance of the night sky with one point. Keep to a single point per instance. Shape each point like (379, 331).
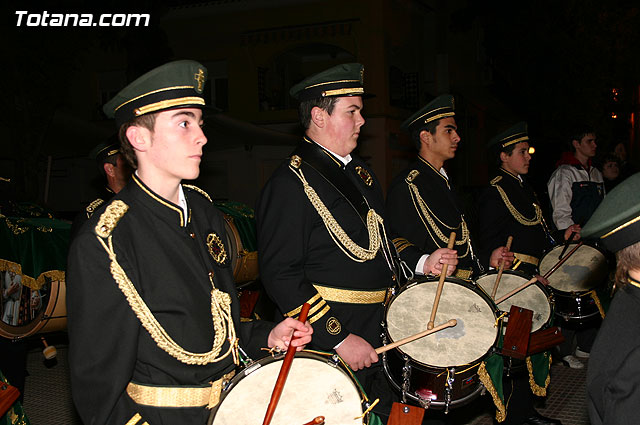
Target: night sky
(555, 64)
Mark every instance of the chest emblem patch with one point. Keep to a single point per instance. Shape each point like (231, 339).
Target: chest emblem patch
(333, 326)
(216, 249)
(364, 175)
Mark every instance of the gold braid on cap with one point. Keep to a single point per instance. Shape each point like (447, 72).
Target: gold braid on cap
(427, 217)
(339, 236)
(515, 213)
(220, 303)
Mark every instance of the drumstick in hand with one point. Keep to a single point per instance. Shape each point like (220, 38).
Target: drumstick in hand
(546, 276)
(284, 371)
(419, 335)
(443, 275)
(501, 269)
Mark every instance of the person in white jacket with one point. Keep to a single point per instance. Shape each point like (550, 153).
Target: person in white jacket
(576, 188)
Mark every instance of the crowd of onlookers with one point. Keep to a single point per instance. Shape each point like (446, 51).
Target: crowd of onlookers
(612, 160)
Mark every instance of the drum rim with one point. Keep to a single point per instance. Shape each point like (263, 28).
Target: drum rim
(572, 244)
(549, 293)
(307, 354)
(43, 317)
(469, 285)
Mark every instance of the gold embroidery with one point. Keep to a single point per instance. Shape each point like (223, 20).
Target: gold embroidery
(295, 161)
(216, 248)
(200, 78)
(401, 244)
(427, 217)
(319, 315)
(29, 281)
(364, 175)
(298, 309)
(197, 189)
(170, 103)
(152, 92)
(535, 388)
(134, 419)
(351, 296)
(501, 410)
(530, 259)
(516, 214)
(91, 208)
(412, 175)
(223, 326)
(110, 217)
(338, 92)
(15, 228)
(596, 299)
(375, 226)
(333, 326)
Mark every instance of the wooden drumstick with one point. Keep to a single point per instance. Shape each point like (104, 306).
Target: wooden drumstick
(318, 420)
(413, 337)
(284, 371)
(501, 269)
(546, 276)
(443, 275)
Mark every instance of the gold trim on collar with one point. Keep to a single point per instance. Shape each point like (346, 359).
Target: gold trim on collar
(332, 82)
(334, 159)
(622, 226)
(436, 171)
(134, 419)
(153, 92)
(351, 296)
(160, 200)
(633, 282)
(338, 92)
(170, 103)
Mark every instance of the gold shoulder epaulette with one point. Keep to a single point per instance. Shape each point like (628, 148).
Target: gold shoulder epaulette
(412, 175)
(91, 208)
(110, 217)
(295, 161)
(496, 180)
(197, 189)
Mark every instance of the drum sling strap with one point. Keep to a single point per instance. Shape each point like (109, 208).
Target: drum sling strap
(321, 161)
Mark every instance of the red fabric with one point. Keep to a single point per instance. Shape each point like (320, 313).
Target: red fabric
(570, 159)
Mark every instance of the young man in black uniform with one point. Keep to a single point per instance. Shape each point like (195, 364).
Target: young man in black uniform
(509, 207)
(422, 206)
(321, 234)
(613, 378)
(115, 170)
(154, 322)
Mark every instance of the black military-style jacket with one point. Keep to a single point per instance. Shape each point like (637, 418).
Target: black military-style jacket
(614, 363)
(105, 195)
(167, 257)
(297, 251)
(504, 206)
(413, 234)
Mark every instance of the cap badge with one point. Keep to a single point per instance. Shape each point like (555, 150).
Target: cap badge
(199, 77)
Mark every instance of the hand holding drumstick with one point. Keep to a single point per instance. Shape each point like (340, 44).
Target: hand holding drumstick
(501, 269)
(443, 275)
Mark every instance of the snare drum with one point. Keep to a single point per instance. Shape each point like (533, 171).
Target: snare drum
(535, 297)
(316, 386)
(574, 282)
(29, 311)
(439, 370)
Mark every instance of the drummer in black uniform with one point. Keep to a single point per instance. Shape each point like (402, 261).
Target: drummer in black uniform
(422, 205)
(613, 378)
(321, 235)
(154, 318)
(116, 172)
(509, 207)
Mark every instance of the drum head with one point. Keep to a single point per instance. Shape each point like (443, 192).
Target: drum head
(468, 341)
(583, 271)
(313, 388)
(533, 297)
(25, 311)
